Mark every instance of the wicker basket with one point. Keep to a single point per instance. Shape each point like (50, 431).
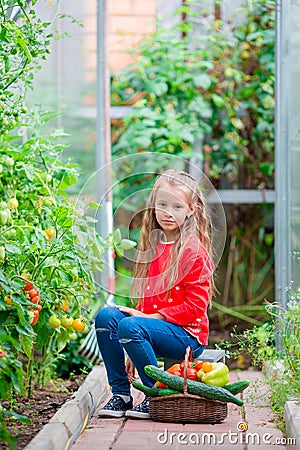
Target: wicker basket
(187, 408)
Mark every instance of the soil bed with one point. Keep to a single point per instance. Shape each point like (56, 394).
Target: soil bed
(39, 409)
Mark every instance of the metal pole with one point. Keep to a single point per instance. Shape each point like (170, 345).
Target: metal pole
(282, 153)
(103, 147)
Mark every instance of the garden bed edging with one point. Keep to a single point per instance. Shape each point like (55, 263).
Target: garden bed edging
(71, 419)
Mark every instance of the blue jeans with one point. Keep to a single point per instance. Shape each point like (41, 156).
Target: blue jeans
(144, 339)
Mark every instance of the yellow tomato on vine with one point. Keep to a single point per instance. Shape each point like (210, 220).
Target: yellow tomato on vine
(50, 233)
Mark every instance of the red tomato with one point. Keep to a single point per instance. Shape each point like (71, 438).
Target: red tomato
(190, 364)
(198, 365)
(33, 293)
(28, 286)
(191, 373)
(35, 317)
(35, 299)
(178, 373)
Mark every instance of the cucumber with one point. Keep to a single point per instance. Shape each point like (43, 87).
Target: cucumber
(153, 392)
(237, 386)
(194, 387)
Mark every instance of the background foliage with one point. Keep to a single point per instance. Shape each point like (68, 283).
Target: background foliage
(212, 89)
(275, 347)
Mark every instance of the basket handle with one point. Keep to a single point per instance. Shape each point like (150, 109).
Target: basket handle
(188, 356)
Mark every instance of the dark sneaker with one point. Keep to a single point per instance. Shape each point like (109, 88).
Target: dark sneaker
(140, 411)
(115, 407)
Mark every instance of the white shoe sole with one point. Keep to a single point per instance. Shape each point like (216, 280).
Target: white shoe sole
(108, 413)
(137, 415)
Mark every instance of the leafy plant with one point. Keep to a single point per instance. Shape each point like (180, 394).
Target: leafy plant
(274, 346)
(49, 248)
(5, 436)
(211, 87)
(216, 85)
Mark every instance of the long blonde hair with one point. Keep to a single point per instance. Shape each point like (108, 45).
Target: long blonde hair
(198, 224)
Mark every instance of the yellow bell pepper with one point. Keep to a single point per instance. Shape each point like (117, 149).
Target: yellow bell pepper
(200, 374)
(218, 376)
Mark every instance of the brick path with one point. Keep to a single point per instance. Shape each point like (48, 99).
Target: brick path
(134, 434)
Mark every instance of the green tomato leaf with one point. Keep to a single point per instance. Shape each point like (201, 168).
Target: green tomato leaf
(21, 418)
(94, 205)
(27, 344)
(127, 244)
(61, 212)
(43, 330)
(14, 249)
(62, 339)
(23, 45)
(6, 63)
(29, 170)
(3, 316)
(117, 237)
(65, 276)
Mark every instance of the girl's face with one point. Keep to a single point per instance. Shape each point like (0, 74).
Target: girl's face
(171, 209)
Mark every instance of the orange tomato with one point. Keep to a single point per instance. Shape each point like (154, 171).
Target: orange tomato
(8, 300)
(65, 305)
(78, 325)
(174, 368)
(207, 366)
(50, 233)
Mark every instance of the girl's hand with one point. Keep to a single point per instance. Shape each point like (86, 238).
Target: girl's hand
(130, 370)
(137, 313)
(131, 311)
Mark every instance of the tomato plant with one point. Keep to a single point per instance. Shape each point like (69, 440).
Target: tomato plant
(49, 250)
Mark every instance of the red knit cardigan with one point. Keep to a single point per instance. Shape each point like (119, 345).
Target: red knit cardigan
(187, 301)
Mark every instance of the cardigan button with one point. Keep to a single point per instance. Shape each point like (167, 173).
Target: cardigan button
(170, 300)
(177, 288)
(148, 287)
(155, 306)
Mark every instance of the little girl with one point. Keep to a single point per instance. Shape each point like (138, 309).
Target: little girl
(172, 282)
